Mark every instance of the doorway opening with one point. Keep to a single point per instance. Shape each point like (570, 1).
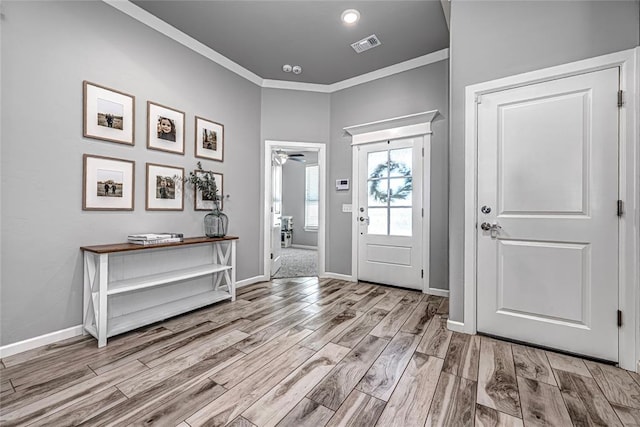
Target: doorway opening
(294, 211)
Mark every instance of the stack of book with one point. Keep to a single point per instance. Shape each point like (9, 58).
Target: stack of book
(155, 238)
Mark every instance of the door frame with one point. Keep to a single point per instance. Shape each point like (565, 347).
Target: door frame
(629, 189)
(269, 147)
(413, 125)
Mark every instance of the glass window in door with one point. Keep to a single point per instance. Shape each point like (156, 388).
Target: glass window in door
(390, 191)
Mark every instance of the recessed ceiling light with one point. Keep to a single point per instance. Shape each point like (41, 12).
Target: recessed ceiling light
(350, 16)
(286, 68)
(297, 69)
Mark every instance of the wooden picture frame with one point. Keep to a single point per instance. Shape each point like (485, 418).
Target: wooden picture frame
(108, 183)
(108, 114)
(209, 139)
(164, 189)
(199, 202)
(165, 128)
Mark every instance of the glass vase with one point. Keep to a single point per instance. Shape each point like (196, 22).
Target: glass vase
(215, 223)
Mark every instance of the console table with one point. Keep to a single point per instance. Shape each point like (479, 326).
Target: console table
(127, 286)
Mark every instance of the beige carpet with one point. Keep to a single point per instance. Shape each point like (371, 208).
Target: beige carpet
(297, 263)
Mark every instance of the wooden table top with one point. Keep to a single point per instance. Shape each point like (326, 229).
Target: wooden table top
(124, 247)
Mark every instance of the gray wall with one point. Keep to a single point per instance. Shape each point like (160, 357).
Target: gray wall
(420, 89)
(494, 39)
(295, 116)
(293, 193)
(48, 49)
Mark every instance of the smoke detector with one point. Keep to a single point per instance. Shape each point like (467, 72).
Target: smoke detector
(366, 43)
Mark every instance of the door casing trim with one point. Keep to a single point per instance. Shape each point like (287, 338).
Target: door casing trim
(629, 188)
(413, 125)
(321, 148)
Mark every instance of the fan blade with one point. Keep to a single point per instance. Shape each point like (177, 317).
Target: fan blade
(297, 159)
(296, 155)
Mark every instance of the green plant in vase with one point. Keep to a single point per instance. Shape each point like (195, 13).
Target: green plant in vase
(215, 222)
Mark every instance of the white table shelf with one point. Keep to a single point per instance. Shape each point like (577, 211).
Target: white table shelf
(103, 281)
(143, 282)
(120, 324)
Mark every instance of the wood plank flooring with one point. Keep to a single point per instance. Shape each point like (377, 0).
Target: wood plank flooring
(308, 352)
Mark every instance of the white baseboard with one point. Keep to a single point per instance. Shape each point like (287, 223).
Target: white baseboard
(454, 326)
(251, 281)
(438, 292)
(312, 248)
(329, 275)
(31, 343)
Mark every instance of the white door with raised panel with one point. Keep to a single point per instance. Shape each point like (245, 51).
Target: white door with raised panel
(390, 212)
(547, 260)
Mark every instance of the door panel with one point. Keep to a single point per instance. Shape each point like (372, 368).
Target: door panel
(389, 254)
(548, 170)
(550, 135)
(524, 288)
(276, 214)
(390, 204)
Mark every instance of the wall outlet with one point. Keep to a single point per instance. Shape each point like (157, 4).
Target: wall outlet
(347, 207)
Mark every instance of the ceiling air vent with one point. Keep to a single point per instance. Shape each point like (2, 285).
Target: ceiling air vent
(366, 43)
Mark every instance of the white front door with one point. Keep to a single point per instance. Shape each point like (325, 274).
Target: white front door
(547, 260)
(390, 212)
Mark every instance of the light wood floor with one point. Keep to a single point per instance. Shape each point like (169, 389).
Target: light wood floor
(298, 352)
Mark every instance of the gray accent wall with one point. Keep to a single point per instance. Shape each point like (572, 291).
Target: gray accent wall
(420, 89)
(494, 39)
(293, 193)
(295, 116)
(48, 49)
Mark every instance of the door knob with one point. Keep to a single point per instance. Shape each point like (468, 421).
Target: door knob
(493, 228)
(364, 219)
(486, 226)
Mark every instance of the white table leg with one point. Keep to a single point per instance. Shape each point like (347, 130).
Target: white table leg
(102, 310)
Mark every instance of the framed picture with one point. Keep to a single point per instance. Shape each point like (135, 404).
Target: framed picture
(204, 202)
(107, 184)
(108, 114)
(209, 139)
(165, 128)
(164, 188)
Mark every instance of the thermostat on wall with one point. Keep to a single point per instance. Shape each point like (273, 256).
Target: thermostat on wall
(342, 184)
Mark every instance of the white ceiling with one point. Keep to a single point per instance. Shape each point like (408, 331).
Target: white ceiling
(263, 35)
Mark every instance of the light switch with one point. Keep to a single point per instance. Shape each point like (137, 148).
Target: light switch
(347, 207)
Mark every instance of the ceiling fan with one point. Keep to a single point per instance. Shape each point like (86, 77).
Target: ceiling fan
(281, 157)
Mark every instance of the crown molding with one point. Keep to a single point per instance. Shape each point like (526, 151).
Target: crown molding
(146, 18)
(285, 84)
(141, 15)
(395, 122)
(420, 61)
(394, 128)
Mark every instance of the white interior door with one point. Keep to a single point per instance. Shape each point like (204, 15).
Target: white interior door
(547, 260)
(276, 214)
(390, 212)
